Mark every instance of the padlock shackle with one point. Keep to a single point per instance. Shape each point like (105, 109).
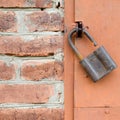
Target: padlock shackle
(70, 36)
(89, 37)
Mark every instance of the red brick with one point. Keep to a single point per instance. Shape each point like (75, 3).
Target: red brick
(43, 21)
(7, 22)
(25, 93)
(11, 3)
(32, 114)
(7, 72)
(43, 46)
(26, 3)
(43, 3)
(37, 70)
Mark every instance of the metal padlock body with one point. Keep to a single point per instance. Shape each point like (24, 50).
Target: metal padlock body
(98, 64)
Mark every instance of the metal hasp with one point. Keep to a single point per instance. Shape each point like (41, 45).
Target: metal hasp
(99, 63)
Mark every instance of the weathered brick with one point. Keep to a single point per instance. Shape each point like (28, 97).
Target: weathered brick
(43, 46)
(11, 3)
(32, 114)
(37, 70)
(43, 21)
(7, 71)
(43, 3)
(26, 3)
(25, 93)
(7, 22)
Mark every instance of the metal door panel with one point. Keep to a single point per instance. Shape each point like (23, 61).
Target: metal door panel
(97, 113)
(103, 19)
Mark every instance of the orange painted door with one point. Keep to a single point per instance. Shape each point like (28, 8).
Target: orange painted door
(101, 100)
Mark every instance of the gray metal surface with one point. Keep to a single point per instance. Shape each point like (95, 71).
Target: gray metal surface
(98, 64)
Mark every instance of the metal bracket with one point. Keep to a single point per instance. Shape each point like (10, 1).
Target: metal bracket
(80, 29)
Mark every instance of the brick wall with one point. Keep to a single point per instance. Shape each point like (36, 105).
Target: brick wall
(31, 60)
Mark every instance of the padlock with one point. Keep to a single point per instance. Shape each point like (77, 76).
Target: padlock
(99, 63)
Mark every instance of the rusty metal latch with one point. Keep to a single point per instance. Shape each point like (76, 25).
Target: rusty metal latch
(99, 63)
